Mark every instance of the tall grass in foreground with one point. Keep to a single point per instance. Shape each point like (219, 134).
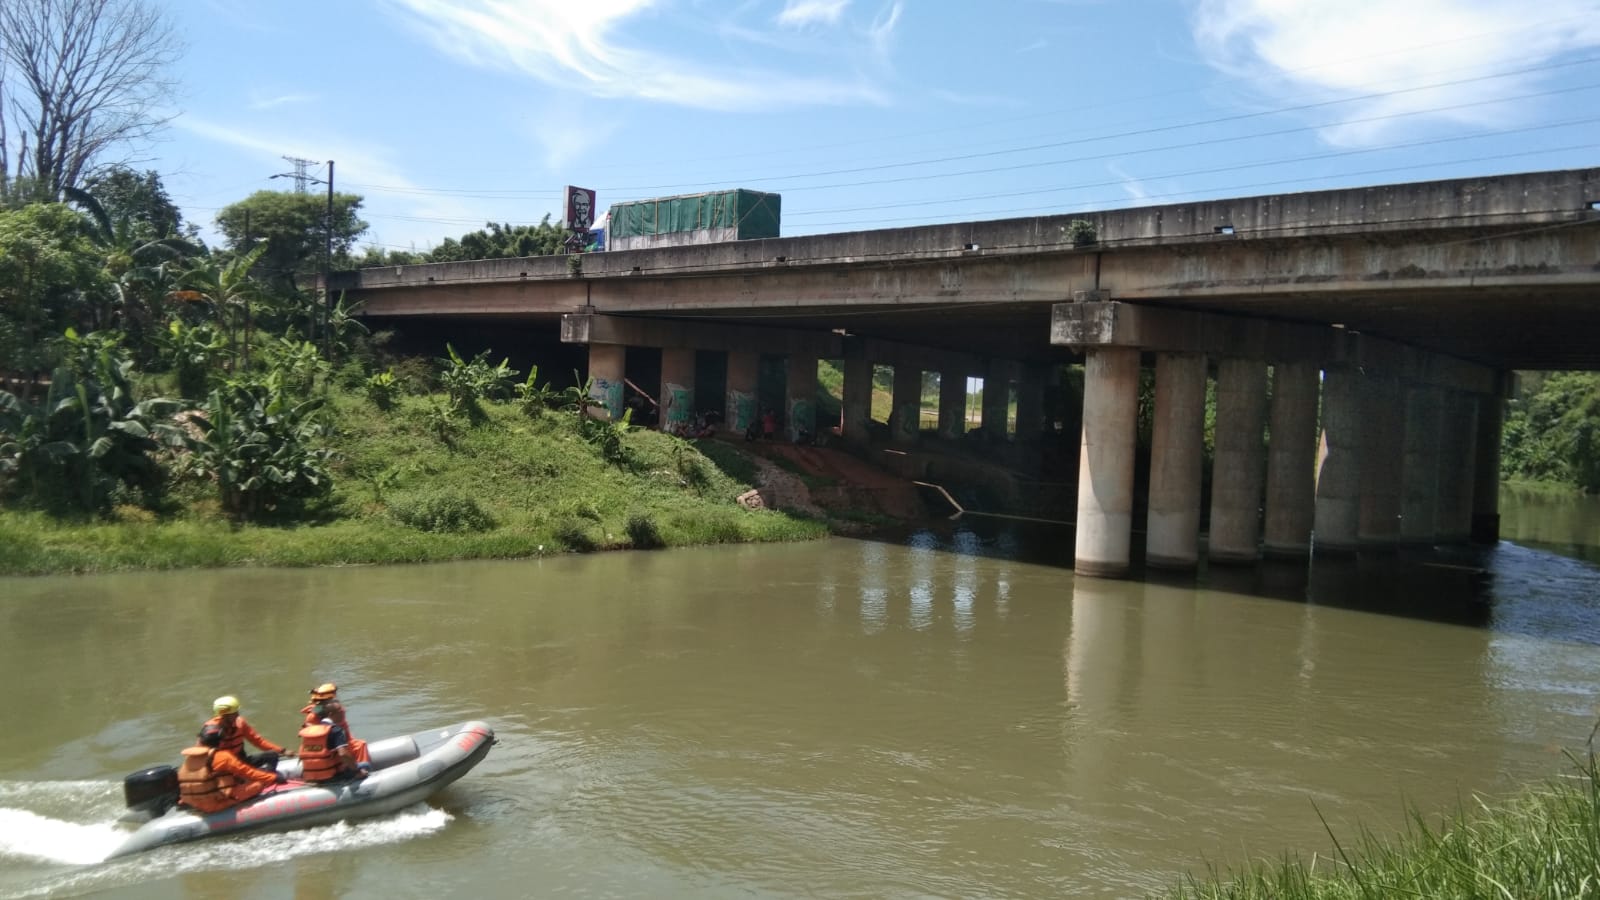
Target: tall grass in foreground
(1544, 845)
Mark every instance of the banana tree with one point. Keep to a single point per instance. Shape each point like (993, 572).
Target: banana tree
(229, 290)
(88, 436)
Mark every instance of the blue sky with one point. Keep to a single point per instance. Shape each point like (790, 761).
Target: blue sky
(444, 114)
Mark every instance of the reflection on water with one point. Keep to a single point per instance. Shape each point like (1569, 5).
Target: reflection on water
(950, 713)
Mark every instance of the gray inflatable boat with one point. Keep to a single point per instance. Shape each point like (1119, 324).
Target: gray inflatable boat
(405, 770)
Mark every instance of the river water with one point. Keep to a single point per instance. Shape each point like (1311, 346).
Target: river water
(949, 713)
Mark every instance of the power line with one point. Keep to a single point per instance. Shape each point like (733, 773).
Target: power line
(1137, 132)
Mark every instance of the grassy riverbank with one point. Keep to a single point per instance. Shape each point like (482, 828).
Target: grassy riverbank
(508, 487)
(1544, 844)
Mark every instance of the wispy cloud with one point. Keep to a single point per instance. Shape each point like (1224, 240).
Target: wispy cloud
(800, 13)
(587, 48)
(1326, 49)
(882, 31)
(957, 98)
(259, 101)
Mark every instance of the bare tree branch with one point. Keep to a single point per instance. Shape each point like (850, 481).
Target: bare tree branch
(89, 75)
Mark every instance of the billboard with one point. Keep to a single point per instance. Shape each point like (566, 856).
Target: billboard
(580, 208)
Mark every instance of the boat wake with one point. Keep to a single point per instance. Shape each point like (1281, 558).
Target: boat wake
(53, 833)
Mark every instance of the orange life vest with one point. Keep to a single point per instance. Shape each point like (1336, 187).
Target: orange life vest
(232, 735)
(201, 788)
(318, 761)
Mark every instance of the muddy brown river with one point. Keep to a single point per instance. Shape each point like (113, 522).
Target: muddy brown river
(943, 713)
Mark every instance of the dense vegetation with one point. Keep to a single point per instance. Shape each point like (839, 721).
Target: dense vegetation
(1552, 430)
(157, 388)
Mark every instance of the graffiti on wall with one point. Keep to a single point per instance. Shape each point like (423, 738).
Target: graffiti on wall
(608, 394)
(908, 420)
(802, 417)
(743, 406)
(678, 412)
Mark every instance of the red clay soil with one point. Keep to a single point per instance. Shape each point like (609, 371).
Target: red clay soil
(850, 483)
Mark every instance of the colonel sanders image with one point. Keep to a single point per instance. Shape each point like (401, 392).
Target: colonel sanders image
(582, 211)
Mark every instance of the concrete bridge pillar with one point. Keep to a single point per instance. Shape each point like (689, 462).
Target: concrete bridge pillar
(1383, 429)
(1291, 460)
(802, 394)
(1421, 486)
(857, 400)
(607, 368)
(905, 419)
(1458, 436)
(677, 390)
(1030, 402)
(952, 404)
(744, 375)
(1173, 539)
(1238, 469)
(1486, 468)
(1105, 465)
(1338, 488)
(996, 399)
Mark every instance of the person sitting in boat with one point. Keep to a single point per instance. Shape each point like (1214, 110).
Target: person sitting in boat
(235, 731)
(325, 752)
(326, 697)
(212, 779)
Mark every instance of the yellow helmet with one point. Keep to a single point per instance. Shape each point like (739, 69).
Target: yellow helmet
(325, 691)
(224, 705)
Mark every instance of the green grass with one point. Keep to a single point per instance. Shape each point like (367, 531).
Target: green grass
(544, 490)
(1544, 844)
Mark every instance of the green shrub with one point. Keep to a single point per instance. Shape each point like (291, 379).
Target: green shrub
(643, 532)
(442, 513)
(382, 388)
(574, 535)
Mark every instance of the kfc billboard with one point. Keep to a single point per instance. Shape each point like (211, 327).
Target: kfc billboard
(580, 208)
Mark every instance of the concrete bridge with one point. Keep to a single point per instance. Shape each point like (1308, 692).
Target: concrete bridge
(1360, 341)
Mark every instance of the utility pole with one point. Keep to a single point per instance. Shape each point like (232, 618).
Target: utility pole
(301, 179)
(327, 270)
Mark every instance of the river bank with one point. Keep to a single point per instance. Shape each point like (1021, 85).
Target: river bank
(510, 486)
(1544, 843)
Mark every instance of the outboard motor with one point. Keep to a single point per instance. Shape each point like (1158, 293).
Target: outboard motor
(150, 792)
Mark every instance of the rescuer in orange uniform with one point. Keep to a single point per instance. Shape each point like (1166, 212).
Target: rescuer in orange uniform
(235, 731)
(212, 779)
(325, 705)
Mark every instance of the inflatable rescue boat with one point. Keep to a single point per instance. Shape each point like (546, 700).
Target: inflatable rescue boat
(405, 770)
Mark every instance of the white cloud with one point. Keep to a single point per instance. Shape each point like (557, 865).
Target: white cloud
(578, 47)
(800, 13)
(259, 101)
(398, 218)
(1312, 50)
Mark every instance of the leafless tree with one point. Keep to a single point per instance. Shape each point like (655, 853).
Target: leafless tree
(78, 77)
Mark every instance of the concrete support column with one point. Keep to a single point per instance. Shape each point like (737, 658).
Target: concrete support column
(1420, 483)
(607, 368)
(1486, 469)
(744, 375)
(1238, 469)
(677, 390)
(802, 395)
(1458, 437)
(952, 405)
(1173, 539)
(1383, 428)
(857, 400)
(1105, 464)
(906, 417)
(1291, 460)
(996, 399)
(1338, 489)
(1030, 402)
